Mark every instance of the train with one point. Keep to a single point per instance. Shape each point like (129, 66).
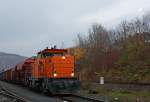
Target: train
(52, 71)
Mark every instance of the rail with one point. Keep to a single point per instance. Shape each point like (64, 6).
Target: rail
(11, 97)
(79, 98)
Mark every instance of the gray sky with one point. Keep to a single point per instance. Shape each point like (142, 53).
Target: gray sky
(27, 26)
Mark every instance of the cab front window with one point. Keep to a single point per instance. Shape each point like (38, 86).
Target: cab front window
(53, 54)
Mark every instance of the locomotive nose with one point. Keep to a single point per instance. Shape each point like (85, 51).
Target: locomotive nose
(62, 66)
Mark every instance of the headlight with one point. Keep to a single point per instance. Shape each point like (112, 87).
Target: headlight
(63, 57)
(55, 74)
(72, 74)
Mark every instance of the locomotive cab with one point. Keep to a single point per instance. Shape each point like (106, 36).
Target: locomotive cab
(55, 63)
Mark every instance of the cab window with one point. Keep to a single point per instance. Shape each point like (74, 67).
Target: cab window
(53, 54)
(40, 56)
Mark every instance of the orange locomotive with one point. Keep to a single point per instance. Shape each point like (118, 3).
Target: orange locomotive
(52, 70)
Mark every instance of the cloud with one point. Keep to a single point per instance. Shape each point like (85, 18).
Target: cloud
(27, 26)
(140, 10)
(123, 9)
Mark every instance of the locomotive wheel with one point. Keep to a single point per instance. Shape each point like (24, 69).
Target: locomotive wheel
(30, 85)
(43, 89)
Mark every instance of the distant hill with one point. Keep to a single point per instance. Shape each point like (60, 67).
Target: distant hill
(9, 60)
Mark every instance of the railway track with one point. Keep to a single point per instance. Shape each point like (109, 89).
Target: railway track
(78, 98)
(7, 96)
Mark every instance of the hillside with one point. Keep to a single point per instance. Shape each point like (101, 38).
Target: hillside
(9, 60)
(123, 59)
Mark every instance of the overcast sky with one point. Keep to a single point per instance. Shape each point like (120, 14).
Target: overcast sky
(27, 26)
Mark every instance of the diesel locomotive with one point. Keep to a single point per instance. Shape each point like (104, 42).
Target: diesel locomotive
(52, 71)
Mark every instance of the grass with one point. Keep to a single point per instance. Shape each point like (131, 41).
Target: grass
(129, 94)
(121, 94)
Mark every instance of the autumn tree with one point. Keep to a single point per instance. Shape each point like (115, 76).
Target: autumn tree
(118, 54)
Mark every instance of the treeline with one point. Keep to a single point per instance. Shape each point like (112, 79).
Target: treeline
(120, 55)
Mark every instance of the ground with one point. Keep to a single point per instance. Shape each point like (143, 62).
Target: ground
(27, 94)
(118, 92)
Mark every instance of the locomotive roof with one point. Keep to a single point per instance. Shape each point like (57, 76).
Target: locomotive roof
(52, 50)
